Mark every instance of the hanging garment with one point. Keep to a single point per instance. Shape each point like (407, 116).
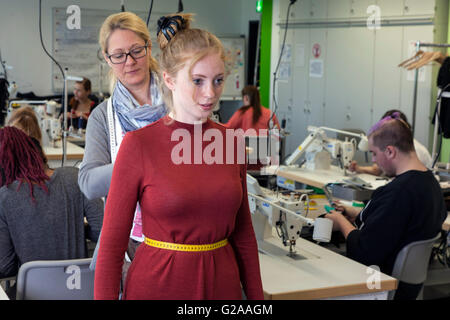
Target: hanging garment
(443, 80)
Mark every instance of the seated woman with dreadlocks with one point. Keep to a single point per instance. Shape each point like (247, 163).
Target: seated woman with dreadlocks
(42, 210)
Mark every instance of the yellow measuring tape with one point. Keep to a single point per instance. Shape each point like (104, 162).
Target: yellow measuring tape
(185, 247)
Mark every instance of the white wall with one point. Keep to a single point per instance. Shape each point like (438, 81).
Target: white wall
(31, 68)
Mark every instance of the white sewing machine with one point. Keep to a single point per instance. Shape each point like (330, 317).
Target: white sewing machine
(46, 113)
(319, 149)
(271, 210)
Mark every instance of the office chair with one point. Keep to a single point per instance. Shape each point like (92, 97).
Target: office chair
(411, 263)
(56, 280)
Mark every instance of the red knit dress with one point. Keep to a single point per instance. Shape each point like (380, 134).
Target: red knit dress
(181, 203)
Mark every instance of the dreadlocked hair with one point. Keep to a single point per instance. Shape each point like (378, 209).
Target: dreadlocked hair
(21, 160)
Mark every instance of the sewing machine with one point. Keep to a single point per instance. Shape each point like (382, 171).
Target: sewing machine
(46, 113)
(319, 149)
(286, 214)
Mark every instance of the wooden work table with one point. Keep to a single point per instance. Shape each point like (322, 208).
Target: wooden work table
(322, 274)
(54, 155)
(319, 178)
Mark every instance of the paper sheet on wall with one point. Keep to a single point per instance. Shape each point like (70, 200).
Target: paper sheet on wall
(235, 66)
(287, 53)
(299, 55)
(284, 71)
(316, 68)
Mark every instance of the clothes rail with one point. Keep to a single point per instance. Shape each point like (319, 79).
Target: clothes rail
(416, 77)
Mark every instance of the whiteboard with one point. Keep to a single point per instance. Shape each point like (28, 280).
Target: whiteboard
(79, 51)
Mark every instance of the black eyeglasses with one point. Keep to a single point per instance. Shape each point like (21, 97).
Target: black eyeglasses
(135, 53)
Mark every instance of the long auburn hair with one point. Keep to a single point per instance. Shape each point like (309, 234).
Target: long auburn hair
(255, 102)
(21, 159)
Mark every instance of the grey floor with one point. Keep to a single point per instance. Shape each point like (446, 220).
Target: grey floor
(437, 285)
(436, 292)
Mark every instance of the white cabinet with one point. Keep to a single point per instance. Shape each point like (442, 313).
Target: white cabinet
(386, 74)
(338, 9)
(316, 85)
(297, 119)
(391, 8)
(358, 8)
(319, 9)
(418, 7)
(301, 10)
(349, 78)
(309, 9)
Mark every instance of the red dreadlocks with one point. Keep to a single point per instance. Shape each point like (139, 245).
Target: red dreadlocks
(21, 159)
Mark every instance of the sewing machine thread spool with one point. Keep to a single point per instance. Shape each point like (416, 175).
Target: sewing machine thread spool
(322, 230)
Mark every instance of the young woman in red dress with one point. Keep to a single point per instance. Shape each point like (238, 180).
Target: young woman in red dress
(199, 239)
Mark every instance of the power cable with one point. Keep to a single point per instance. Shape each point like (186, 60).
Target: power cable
(275, 79)
(56, 62)
(278, 64)
(149, 12)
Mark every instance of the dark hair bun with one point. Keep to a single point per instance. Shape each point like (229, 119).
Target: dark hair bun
(169, 25)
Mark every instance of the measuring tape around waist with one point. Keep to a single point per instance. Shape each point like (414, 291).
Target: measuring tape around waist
(185, 247)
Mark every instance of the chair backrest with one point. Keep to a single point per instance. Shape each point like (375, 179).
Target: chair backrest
(55, 280)
(411, 264)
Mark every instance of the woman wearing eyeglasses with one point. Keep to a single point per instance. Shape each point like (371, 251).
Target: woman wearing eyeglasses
(135, 102)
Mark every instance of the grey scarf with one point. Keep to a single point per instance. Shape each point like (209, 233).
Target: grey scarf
(130, 113)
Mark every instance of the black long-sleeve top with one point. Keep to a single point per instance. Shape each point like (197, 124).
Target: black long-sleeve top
(410, 208)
